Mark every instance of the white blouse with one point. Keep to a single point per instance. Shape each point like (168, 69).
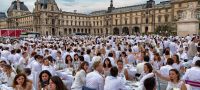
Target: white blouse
(79, 81)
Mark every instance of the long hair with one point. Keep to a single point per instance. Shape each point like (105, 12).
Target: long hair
(66, 61)
(16, 83)
(58, 82)
(177, 59)
(149, 67)
(177, 72)
(109, 65)
(47, 72)
(82, 65)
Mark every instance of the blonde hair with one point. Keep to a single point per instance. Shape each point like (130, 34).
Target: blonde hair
(96, 64)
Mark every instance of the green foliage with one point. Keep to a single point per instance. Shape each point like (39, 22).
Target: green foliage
(165, 30)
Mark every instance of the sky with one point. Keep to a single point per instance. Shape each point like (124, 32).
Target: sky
(82, 6)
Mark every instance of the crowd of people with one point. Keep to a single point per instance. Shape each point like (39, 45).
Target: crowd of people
(101, 63)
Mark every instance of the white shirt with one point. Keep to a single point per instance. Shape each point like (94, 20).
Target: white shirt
(36, 67)
(11, 58)
(192, 74)
(95, 81)
(79, 81)
(5, 54)
(164, 70)
(114, 83)
(87, 58)
(49, 68)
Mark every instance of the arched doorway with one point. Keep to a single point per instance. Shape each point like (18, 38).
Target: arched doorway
(136, 30)
(74, 30)
(86, 31)
(53, 32)
(146, 29)
(116, 31)
(47, 33)
(78, 30)
(70, 31)
(81, 30)
(65, 31)
(125, 31)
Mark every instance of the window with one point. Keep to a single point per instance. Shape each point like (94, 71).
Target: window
(166, 18)
(136, 20)
(125, 21)
(159, 18)
(147, 20)
(116, 22)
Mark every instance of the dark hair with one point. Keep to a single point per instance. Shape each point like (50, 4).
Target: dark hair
(58, 82)
(74, 57)
(149, 67)
(177, 58)
(27, 71)
(110, 54)
(119, 61)
(109, 65)
(170, 61)
(167, 52)
(157, 54)
(82, 65)
(81, 58)
(45, 71)
(123, 53)
(150, 83)
(66, 61)
(197, 63)
(146, 58)
(177, 72)
(12, 51)
(88, 51)
(114, 71)
(16, 83)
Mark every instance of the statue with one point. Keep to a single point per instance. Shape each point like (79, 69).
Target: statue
(190, 12)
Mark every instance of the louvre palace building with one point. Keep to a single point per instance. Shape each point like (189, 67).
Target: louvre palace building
(48, 19)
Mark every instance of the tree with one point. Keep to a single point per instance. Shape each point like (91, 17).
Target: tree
(165, 30)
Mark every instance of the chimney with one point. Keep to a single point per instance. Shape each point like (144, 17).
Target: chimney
(18, 5)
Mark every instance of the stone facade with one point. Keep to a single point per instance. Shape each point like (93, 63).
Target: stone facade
(48, 19)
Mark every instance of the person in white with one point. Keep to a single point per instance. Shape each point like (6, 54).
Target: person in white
(36, 66)
(112, 82)
(192, 75)
(95, 80)
(80, 76)
(164, 70)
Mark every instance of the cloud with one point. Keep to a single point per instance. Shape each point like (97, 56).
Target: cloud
(82, 6)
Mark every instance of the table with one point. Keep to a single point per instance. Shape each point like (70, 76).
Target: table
(132, 85)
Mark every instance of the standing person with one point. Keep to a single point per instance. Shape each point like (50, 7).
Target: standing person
(107, 65)
(80, 76)
(37, 64)
(95, 80)
(192, 76)
(55, 83)
(9, 75)
(112, 82)
(192, 49)
(22, 83)
(174, 81)
(123, 73)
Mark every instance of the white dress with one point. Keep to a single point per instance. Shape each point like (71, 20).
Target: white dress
(172, 86)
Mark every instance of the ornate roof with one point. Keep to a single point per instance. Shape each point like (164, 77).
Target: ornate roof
(46, 1)
(13, 6)
(2, 15)
(131, 8)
